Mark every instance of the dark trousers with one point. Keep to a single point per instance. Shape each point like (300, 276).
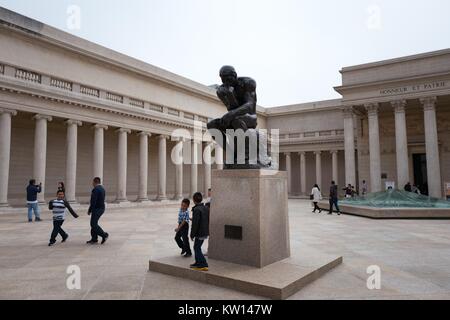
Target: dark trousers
(96, 230)
(199, 257)
(316, 207)
(182, 239)
(334, 201)
(57, 229)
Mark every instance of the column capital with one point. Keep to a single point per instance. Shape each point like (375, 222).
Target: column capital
(287, 154)
(317, 153)
(8, 111)
(399, 105)
(348, 111)
(74, 122)
(42, 117)
(123, 130)
(163, 137)
(100, 126)
(428, 103)
(334, 151)
(372, 108)
(302, 153)
(144, 133)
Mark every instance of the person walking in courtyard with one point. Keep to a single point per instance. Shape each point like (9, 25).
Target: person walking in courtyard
(199, 231)
(316, 197)
(96, 210)
(59, 207)
(32, 202)
(182, 231)
(334, 196)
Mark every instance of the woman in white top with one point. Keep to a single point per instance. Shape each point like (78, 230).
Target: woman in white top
(316, 196)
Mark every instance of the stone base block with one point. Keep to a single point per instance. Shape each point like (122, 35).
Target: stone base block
(249, 221)
(277, 281)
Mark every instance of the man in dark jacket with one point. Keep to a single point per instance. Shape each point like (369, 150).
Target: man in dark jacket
(32, 202)
(199, 231)
(334, 196)
(96, 210)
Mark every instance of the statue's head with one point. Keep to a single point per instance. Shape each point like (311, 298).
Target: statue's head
(228, 75)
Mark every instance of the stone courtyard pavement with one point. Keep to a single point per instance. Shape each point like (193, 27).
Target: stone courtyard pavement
(414, 257)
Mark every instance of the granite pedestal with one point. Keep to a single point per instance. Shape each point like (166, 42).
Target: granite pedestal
(249, 243)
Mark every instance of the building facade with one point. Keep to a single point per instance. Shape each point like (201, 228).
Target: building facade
(71, 110)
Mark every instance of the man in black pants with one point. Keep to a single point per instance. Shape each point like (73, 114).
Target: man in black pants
(334, 196)
(96, 210)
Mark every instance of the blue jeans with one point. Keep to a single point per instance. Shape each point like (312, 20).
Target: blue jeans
(33, 207)
(199, 257)
(335, 203)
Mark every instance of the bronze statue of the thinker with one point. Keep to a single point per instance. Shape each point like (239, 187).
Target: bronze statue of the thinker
(238, 94)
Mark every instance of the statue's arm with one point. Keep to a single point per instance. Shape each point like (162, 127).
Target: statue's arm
(249, 106)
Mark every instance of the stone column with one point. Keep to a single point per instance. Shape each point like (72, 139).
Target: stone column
(303, 172)
(432, 147)
(335, 166)
(194, 167)
(122, 154)
(319, 168)
(374, 147)
(289, 171)
(207, 168)
(179, 170)
(349, 141)
(40, 152)
(162, 167)
(401, 140)
(5, 153)
(71, 159)
(219, 156)
(99, 138)
(143, 166)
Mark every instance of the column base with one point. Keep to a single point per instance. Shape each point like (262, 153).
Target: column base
(121, 201)
(161, 198)
(141, 200)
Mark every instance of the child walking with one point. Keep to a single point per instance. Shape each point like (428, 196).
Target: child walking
(182, 236)
(59, 206)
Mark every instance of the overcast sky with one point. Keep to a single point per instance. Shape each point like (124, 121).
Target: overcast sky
(294, 49)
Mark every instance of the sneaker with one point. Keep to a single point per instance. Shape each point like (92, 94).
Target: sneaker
(200, 268)
(183, 252)
(187, 255)
(105, 238)
(339, 213)
(30, 220)
(92, 242)
(195, 265)
(65, 238)
(38, 220)
(51, 244)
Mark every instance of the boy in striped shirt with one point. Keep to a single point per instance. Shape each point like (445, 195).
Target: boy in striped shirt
(59, 207)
